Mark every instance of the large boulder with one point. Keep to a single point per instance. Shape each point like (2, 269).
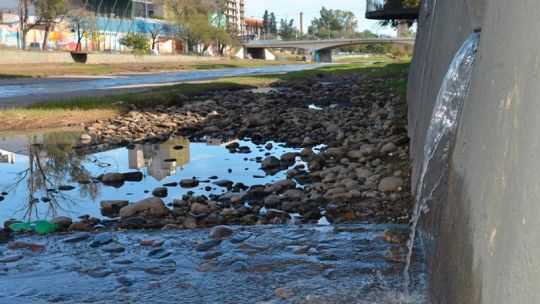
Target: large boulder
(112, 208)
(148, 207)
(271, 162)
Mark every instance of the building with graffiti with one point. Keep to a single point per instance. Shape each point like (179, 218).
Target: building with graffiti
(97, 27)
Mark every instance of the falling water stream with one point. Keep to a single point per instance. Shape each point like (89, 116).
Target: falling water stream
(441, 133)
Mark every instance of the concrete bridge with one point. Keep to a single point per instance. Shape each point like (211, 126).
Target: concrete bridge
(319, 50)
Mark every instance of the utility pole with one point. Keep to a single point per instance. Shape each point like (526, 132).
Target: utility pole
(301, 25)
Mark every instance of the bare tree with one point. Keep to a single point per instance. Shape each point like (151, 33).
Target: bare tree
(84, 23)
(24, 20)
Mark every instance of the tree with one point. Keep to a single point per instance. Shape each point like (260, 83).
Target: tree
(200, 22)
(84, 23)
(49, 11)
(287, 30)
(333, 22)
(137, 42)
(270, 23)
(154, 29)
(24, 19)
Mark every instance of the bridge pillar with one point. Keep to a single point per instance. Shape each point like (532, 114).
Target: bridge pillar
(260, 53)
(322, 56)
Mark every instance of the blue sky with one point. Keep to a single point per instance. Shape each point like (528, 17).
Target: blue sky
(292, 8)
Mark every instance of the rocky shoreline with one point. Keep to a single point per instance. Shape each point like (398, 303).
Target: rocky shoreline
(360, 175)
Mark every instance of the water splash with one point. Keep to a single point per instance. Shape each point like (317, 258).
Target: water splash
(441, 133)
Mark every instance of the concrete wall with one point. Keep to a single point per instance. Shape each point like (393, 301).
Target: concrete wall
(482, 234)
(22, 57)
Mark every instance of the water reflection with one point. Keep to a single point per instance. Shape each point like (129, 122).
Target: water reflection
(51, 163)
(50, 175)
(161, 160)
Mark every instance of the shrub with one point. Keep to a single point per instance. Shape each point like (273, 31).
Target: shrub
(138, 43)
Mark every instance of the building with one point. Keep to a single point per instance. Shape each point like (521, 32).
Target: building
(253, 28)
(235, 13)
(107, 22)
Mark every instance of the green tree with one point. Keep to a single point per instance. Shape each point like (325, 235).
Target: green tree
(287, 30)
(199, 22)
(333, 23)
(138, 43)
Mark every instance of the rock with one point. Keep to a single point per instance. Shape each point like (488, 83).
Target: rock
(125, 281)
(134, 222)
(240, 237)
(189, 183)
(134, 176)
(113, 248)
(364, 173)
(159, 253)
(272, 201)
(85, 138)
(389, 147)
(308, 142)
(200, 208)
(5, 235)
(283, 293)
(208, 266)
(164, 267)
(354, 155)
(160, 192)
(190, 222)
(221, 232)
(225, 183)
(396, 236)
(11, 258)
(391, 184)
(271, 162)
(79, 226)
(294, 195)
(289, 157)
(152, 242)
(170, 227)
(273, 213)
(395, 258)
(63, 221)
(112, 179)
(148, 207)
(207, 245)
(301, 249)
(101, 239)
(112, 208)
(76, 238)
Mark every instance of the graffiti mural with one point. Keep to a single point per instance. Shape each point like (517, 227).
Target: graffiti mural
(105, 39)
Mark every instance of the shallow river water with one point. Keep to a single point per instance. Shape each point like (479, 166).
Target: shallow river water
(258, 264)
(313, 264)
(34, 168)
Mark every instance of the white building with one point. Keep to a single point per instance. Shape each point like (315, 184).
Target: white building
(236, 17)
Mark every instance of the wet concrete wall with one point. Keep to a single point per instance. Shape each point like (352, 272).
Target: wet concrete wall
(482, 233)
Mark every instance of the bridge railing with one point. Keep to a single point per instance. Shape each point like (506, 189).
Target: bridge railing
(392, 9)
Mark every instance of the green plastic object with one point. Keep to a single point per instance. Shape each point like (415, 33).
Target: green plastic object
(39, 227)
